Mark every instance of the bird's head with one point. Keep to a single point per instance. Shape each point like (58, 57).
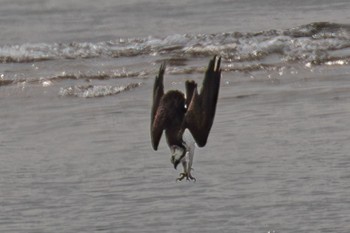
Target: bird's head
(177, 154)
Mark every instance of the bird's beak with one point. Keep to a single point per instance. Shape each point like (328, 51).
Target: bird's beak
(177, 155)
(175, 164)
(174, 161)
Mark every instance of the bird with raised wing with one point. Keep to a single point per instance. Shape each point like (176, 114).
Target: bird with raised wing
(186, 120)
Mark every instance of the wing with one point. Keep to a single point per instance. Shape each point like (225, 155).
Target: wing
(201, 110)
(156, 121)
(190, 88)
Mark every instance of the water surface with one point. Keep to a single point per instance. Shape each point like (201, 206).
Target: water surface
(75, 87)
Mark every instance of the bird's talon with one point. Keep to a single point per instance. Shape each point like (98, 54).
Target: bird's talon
(182, 176)
(188, 176)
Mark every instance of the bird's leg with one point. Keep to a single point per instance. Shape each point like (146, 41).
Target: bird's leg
(187, 166)
(190, 161)
(183, 174)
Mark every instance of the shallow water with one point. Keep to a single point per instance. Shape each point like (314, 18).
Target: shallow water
(75, 88)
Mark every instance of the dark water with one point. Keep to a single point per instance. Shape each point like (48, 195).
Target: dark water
(75, 88)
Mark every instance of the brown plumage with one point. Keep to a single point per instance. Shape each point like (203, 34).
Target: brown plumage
(174, 113)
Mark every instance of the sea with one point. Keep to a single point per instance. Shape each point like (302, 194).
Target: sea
(76, 80)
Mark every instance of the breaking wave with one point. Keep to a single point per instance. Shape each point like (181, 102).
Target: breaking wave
(90, 91)
(315, 44)
(311, 43)
(72, 76)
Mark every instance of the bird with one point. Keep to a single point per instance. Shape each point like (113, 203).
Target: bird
(186, 119)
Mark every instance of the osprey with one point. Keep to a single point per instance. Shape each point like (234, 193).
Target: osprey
(186, 120)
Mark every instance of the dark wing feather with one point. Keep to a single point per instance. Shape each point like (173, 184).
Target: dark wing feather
(156, 121)
(201, 110)
(191, 86)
